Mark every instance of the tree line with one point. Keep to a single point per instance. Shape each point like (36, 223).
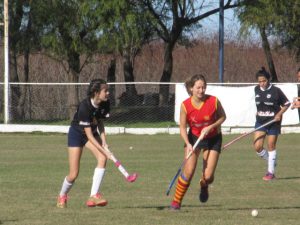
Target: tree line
(72, 32)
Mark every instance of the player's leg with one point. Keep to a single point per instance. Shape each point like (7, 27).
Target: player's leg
(95, 197)
(272, 140)
(259, 137)
(184, 179)
(210, 161)
(74, 164)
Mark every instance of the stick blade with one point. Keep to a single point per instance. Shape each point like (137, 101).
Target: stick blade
(168, 192)
(131, 178)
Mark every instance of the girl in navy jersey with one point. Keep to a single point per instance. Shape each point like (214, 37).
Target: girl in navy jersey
(87, 130)
(271, 103)
(204, 115)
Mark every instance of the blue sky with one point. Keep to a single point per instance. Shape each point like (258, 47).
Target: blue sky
(231, 25)
(212, 22)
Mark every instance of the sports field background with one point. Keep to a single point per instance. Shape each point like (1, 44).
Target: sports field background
(32, 168)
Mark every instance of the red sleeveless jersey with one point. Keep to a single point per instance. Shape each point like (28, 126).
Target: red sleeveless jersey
(203, 116)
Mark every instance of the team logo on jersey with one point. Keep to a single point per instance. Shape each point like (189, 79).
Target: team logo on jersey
(84, 123)
(269, 103)
(206, 117)
(269, 95)
(266, 113)
(193, 119)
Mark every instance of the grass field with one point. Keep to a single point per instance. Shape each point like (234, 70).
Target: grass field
(32, 167)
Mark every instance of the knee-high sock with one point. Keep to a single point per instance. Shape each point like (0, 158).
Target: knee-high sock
(181, 188)
(97, 179)
(66, 187)
(263, 154)
(272, 161)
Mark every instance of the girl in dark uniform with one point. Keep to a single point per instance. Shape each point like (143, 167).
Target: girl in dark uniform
(204, 115)
(271, 103)
(87, 130)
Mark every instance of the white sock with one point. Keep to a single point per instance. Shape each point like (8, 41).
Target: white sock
(272, 161)
(66, 187)
(97, 179)
(263, 154)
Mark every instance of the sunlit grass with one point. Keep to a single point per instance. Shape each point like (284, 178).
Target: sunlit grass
(32, 167)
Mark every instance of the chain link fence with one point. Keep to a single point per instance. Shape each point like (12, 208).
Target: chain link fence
(132, 104)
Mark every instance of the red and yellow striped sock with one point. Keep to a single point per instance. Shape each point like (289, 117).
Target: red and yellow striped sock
(181, 188)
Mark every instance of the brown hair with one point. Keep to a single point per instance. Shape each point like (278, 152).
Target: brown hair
(192, 80)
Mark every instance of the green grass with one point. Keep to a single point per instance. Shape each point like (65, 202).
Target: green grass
(32, 168)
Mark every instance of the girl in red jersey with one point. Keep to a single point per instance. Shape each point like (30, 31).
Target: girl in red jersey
(204, 115)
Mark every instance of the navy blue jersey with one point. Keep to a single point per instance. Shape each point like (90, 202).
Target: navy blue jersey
(269, 102)
(89, 116)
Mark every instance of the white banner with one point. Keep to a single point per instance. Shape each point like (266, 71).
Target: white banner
(239, 103)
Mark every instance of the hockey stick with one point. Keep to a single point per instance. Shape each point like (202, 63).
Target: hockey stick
(248, 133)
(129, 177)
(182, 165)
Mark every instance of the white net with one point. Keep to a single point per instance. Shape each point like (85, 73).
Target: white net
(55, 103)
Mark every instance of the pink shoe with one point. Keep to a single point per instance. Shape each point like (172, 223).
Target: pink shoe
(62, 201)
(96, 200)
(269, 176)
(175, 205)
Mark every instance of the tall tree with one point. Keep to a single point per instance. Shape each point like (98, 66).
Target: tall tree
(286, 25)
(172, 19)
(126, 28)
(70, 32)
(23, 39)
(258, 15)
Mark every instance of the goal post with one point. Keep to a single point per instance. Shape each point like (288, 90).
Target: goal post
(6, 63)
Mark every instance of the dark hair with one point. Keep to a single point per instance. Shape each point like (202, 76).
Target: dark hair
(191, 82)
(298, 70)
(263, 73)
(95, 86)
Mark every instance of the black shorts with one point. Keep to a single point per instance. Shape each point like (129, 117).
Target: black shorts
(212, 143)
(272, 129)
(77, 138)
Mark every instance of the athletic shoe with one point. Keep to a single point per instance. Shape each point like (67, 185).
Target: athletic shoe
(175, 205)
(62, 201)
(96, 200)
(269, 176)
(203, 196)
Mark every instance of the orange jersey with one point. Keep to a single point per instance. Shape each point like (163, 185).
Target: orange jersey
(203, 116)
